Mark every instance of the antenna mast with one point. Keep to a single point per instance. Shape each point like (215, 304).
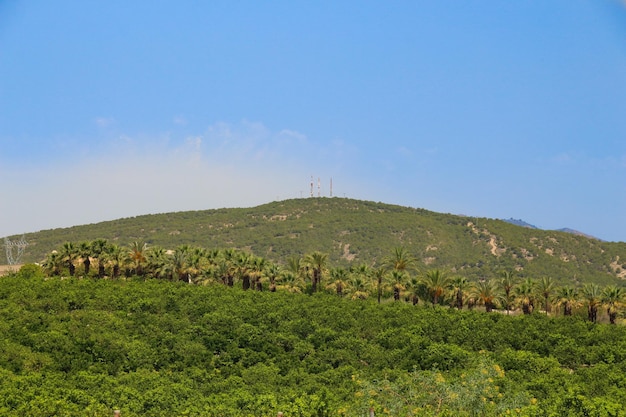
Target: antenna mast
(311, 185)
(319, 187)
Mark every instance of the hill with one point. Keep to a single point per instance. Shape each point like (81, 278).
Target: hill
(354, 231)
(520, 222)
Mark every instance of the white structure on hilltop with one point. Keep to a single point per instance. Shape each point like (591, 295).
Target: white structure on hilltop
(20, 245)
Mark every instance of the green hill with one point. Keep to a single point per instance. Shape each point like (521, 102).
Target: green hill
(353, 231)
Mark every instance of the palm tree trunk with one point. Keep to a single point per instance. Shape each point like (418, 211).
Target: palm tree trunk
(245, 282)
(315, 281)
(592, 313)
(567, 309)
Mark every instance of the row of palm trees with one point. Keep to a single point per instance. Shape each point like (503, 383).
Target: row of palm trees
(396, 277)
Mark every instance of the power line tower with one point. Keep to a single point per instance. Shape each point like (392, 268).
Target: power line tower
(19, 245)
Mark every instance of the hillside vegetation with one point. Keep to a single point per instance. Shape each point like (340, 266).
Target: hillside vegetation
(353, 231)
(77, 347)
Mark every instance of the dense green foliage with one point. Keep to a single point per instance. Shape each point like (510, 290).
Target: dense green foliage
(398, 275)
(322, 307)
(79, 347)
(352, 231)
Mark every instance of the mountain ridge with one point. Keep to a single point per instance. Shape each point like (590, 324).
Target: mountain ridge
(355, 231)
(522, 223)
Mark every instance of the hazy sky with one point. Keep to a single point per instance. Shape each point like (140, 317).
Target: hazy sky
(487, 108)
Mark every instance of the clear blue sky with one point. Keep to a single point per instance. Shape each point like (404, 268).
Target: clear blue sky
(486, 108)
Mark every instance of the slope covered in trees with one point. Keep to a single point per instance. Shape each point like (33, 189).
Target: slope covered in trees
(397, 276)
(352, 231)
(87, 346)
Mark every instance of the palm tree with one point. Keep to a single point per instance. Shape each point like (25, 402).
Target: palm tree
(525, 295)
(545, 288)
(290, 282)
(339, 279)
(507, 283)
(53, 263)
(593, 298)
(84, 253)
(317, 262)
(295, 265)
(358, 287)
(208, 275)
(437, 283)
(398, 282)
(379, 274)
(178, 266)
(117, 257)
(157, 262)
(567, 297)
(137, 256)
(486, 293)
(257, 272)
(69, 254)
(460, 286)
(416, 289)
(400, 260)
(99, 249)
(227, 266)
(272, 272)
(223, 272)
(362, 270)
(613, 298)
(242, 269)
(361, 275)
(196, 263)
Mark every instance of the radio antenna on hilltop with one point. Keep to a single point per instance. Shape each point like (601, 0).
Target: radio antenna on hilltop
(319, 187)
(20, 245)
(311, 185)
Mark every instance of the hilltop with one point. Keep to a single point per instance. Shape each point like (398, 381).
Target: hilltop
(353, 231)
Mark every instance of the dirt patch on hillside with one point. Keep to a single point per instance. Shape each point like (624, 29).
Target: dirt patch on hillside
(347, 254)
(618, 268)
(494, 248)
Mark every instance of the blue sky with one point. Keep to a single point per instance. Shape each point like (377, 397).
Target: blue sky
(485, 108)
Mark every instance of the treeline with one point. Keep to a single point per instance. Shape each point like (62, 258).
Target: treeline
(398, 277)
(151, 347)
(352, 232)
